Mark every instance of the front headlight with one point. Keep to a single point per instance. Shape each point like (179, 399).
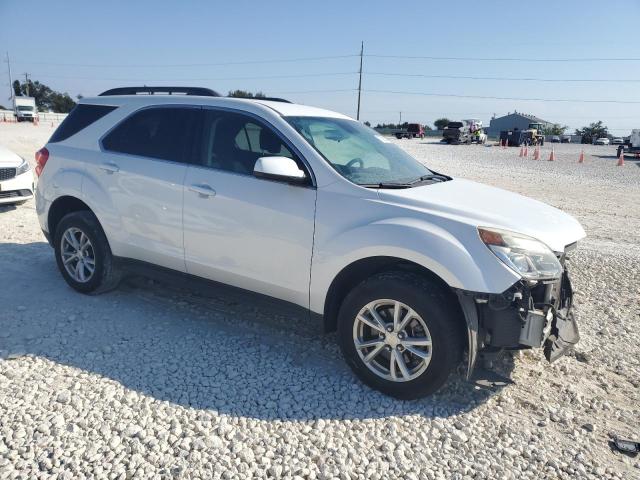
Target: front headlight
(23, 167)
(525, 255)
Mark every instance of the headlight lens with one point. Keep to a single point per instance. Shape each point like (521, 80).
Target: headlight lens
(23, 167)
(525, 255)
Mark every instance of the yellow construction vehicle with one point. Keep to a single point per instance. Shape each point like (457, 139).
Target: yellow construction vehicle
(534, 134)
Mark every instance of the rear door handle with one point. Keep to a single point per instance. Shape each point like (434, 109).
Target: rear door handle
(110, 167)
(203, 190)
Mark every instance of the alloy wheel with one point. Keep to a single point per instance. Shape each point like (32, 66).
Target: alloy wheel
(392, 340)
(78, 256)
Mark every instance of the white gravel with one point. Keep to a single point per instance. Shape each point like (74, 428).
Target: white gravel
(154, 381)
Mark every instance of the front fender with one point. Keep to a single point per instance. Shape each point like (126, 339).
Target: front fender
(452, 252)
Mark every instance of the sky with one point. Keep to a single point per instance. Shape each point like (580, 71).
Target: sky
(308, 52)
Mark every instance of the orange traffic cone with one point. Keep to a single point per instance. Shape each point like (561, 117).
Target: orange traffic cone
(552, 157)
(581, 158)
(526, 151)
(521, 152)
(536, 153)
(621, 159)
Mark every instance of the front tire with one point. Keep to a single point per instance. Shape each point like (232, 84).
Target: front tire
(83, 254)
(399, 333)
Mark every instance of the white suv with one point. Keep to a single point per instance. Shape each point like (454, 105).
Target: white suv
(410, 266)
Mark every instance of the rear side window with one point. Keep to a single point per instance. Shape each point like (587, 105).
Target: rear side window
(162, 132)
(79, 118)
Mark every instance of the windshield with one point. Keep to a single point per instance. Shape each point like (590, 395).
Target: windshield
(357, 152)
(25, 108)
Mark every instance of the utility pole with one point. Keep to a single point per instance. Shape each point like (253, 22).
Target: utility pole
(26, 82)
(360, 80)
(10, 80)
(400, 124)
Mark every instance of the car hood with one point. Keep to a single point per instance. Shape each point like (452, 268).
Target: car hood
(8, 158)
(484, 206)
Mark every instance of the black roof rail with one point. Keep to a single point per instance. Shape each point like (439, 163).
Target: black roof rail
(200, 91)
(271, 99)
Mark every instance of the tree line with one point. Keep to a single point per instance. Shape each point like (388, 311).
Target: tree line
(47, 99)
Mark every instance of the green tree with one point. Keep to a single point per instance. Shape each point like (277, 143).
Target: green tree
(46, 98)
(593, 131)
(245, 94)
(555, 129)
(441, 123)
(368, 124)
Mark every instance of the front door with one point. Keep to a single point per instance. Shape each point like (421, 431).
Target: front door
(241, 230)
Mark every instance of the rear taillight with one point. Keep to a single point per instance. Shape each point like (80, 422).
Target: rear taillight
(42, 156)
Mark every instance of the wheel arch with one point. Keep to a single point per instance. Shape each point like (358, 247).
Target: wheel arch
(62, 206)
(359, 270)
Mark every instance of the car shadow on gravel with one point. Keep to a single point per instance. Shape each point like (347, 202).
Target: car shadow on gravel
(7, 208)
(196, 345)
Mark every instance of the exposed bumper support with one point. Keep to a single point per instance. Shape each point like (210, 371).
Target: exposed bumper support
(524, 316)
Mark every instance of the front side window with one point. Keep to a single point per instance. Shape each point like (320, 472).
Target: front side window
(163, 133)
(358, 153)
(234, 142)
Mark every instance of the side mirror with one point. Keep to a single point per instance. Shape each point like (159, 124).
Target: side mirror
(283, 169)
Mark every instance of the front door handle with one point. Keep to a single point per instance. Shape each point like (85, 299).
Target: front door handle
(110, 167)
(203, 190)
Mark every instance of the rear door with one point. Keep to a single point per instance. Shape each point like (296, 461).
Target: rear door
(241, 230)
(142, 170)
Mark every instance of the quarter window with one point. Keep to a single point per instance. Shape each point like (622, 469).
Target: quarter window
(234, 142)
(162, 133)
(78, 119)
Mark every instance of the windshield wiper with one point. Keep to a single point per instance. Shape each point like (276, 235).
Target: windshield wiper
(413, 183)
(431, 176)
(385, 185)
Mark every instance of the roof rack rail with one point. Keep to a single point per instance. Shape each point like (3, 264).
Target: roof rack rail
(200, 91)
(271, 99)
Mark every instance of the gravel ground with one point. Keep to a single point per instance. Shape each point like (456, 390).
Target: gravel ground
(157, 381)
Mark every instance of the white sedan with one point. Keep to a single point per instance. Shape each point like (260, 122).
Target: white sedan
(16, 178)
(602, 141)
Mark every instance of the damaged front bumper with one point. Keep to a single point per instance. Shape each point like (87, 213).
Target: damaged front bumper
(527, 315)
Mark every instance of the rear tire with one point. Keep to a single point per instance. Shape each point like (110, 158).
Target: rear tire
(434, 322)
(90, 269)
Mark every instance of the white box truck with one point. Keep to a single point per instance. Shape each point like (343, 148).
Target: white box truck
(632, 145)
(24, 109)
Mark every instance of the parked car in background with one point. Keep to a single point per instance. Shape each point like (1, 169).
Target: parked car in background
(310, 207)
(565, 139)
(413, 130)
(601, 141)
(617, 141)
(555, 139)
(16, 178)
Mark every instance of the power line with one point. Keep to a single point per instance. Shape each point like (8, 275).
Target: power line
(217, 64)
(505, 59)
(318, 91)
(503, 98)
(512, 79)
(147, 79)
